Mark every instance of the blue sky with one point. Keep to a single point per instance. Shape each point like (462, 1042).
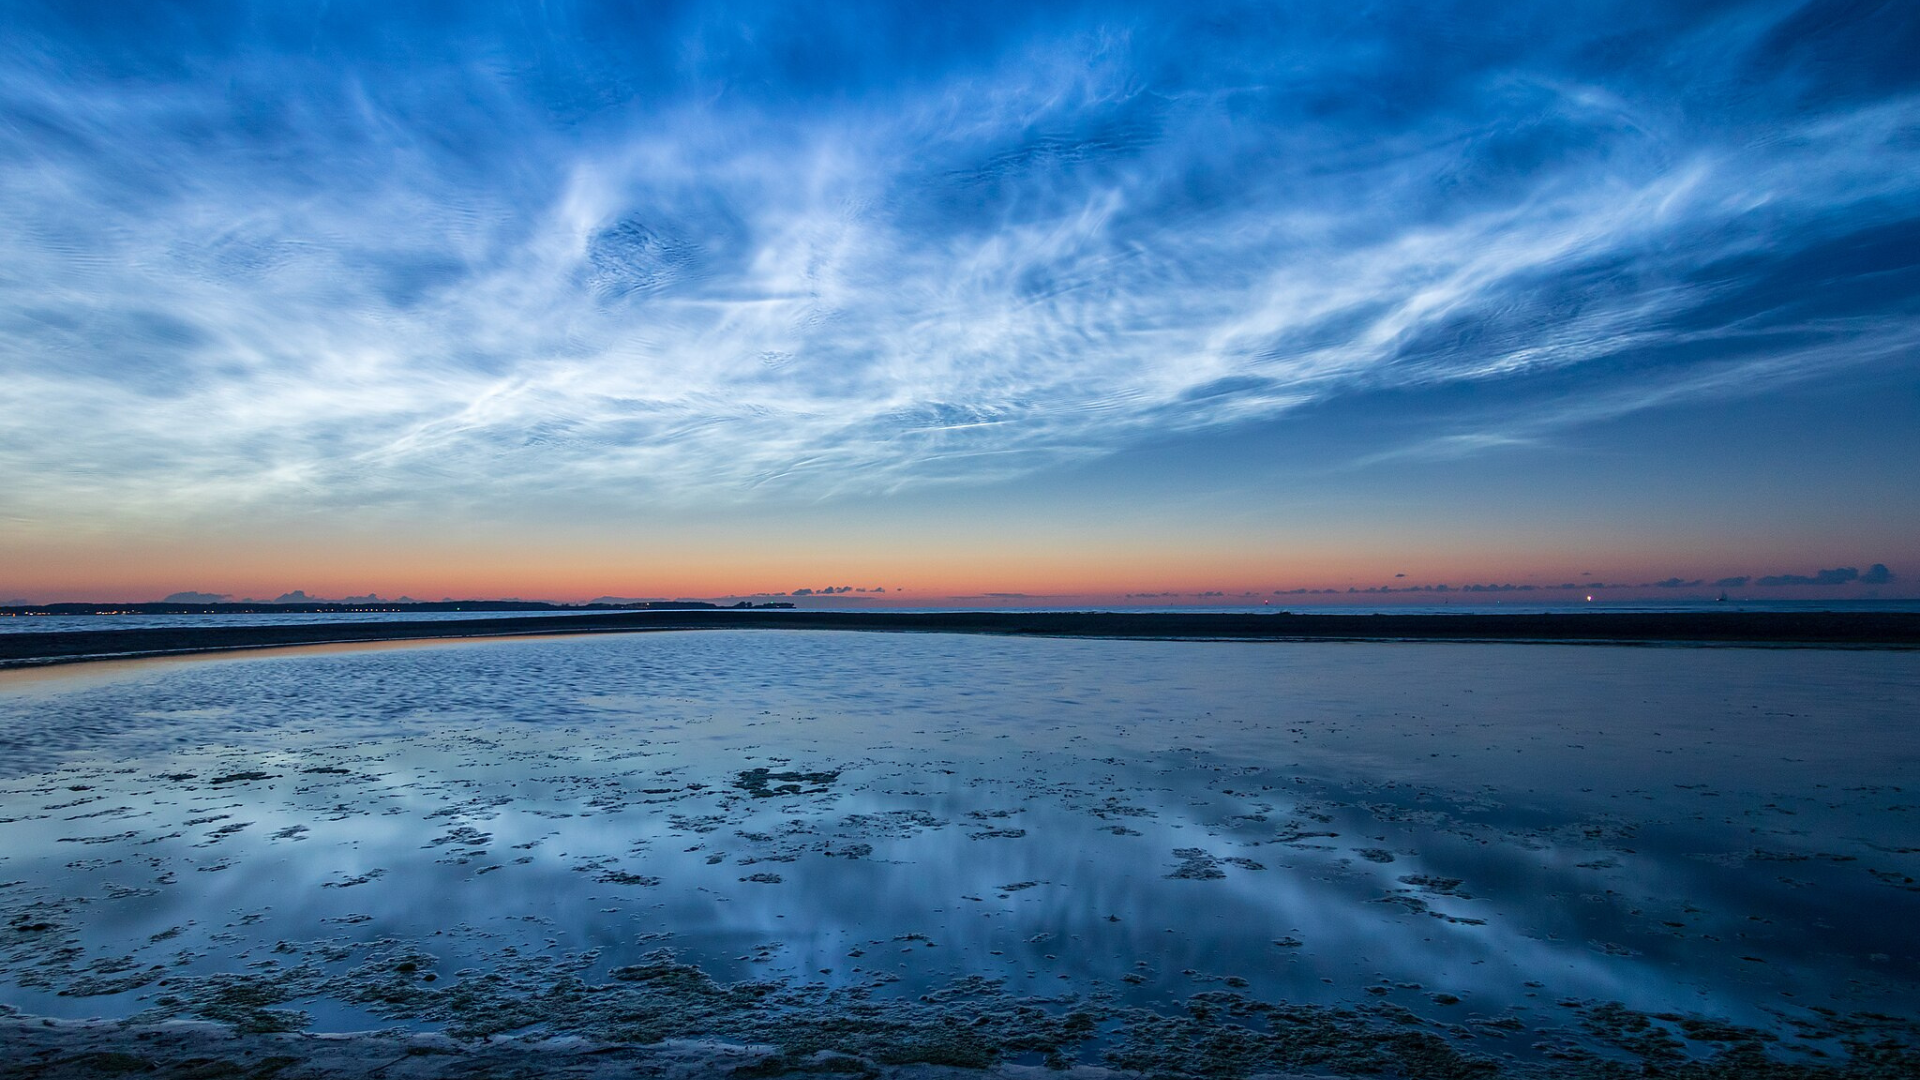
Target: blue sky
(1285, 294)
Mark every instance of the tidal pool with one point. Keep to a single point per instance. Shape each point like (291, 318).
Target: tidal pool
(1345, 857)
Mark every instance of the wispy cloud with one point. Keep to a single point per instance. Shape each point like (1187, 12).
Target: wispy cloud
(271, 266)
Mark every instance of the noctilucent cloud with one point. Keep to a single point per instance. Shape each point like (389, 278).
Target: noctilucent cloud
(715, 298)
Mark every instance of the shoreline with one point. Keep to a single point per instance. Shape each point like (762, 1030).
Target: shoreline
(81, 1049)
(1844, 630)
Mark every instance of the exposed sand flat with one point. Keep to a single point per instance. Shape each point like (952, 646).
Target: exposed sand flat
(1796, 629)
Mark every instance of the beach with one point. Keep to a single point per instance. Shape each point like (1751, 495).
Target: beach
(905, 853)
(1868, 629)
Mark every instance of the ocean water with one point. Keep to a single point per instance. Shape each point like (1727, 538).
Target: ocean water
(1481, 836)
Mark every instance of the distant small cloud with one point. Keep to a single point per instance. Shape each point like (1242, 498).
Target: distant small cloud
(1679, 583)
(297, 596)
(191, 597)
(1877, 574)
(1839, 575)
(1210, 594)
(370, 598)
(1733, 582)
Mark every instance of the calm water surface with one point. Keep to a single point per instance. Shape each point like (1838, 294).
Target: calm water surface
(1723, 832)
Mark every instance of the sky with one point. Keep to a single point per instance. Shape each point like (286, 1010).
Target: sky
(958, 300)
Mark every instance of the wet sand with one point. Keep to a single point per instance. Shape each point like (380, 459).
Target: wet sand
(936, 857)
(1793, 629)
(69, 1050)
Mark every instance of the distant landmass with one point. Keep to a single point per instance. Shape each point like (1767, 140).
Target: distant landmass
(1809, 629)
(190, 603)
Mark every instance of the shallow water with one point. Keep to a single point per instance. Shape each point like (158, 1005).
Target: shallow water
(1473, 832)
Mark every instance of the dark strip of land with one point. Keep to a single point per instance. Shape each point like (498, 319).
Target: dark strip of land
(332, 607)
(1789, 629)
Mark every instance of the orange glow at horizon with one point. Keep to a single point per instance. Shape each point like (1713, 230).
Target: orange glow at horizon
(923, 552)
(99, 573)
